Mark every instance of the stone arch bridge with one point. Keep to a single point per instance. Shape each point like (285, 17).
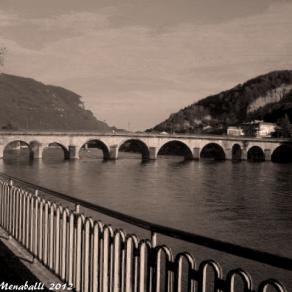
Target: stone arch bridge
(194, 146)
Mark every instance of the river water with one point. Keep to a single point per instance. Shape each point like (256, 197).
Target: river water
(241, 202)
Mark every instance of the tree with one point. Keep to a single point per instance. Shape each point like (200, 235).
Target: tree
(9, 126)
(3, 52)
(250, 129)
(285, 128)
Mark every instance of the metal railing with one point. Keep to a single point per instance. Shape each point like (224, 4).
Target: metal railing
(92, 256)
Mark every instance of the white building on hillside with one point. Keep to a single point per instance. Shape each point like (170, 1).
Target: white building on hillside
(235, 131)
(265, 129)
(260, 129)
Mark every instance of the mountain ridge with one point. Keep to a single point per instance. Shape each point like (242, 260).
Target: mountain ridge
(242, 103)
(30, 104)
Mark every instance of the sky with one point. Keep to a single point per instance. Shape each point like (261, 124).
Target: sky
(134, 62)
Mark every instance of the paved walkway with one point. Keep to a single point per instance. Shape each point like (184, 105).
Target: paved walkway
(17, 267)
(12, 271)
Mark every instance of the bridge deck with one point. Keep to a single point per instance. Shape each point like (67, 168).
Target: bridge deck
(142, 135)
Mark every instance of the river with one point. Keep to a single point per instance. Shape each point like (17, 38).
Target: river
(241, 202)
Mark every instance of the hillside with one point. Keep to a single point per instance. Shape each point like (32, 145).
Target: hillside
(267, 97)
(29, 104)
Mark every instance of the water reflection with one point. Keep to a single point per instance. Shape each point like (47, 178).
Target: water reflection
(247, 203)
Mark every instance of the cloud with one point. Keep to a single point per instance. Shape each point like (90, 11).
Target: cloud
(143, 12)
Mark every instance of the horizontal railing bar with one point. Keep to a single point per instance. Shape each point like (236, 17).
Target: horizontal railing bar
(215, 244)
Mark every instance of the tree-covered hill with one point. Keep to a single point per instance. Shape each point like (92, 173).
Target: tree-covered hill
(266, 97)
(29, 104)
(272, 112)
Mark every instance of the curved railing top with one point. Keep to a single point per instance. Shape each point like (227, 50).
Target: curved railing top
(215, 244)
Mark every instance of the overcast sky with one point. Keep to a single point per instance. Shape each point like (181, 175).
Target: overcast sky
(134, 62)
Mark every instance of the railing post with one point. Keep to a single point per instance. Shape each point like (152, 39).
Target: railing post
(96, 267)
(77, 208)
(107, 259)
(36, 226)
(78, 255)
(64, 245)
(57, 241)
(9, 213)
(41, 238)
(153, 239)
(31, 223)
(152, 259)
(71, 250)
(8, 208)
(46, 228)
(12, 214)
(28, 202)
(51, 236)
(86, 260)
(18, 214)
(24, 218)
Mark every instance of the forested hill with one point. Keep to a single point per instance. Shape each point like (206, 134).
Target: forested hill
(267, 97)
(29, 104)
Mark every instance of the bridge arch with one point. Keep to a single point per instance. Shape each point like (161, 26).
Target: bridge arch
(282, 154)
(136, 146)
(53, 146)
(95, 143)
(212, 151)
(236, 152)
(18, 149)
(176, 147)
(255, 153)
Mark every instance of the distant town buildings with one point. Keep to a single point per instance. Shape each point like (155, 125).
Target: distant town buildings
(265, 129)
(235, 131)
(253, 129)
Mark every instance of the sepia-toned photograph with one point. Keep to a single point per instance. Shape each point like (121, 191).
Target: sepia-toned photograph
(146, 145)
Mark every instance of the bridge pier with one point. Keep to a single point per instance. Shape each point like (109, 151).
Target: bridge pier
(73, 152)
(196, 153)
(114, 152)
(228, 154)
(153, 152)
(2, 151)
(37, 151)
(268, 154)
(243, 154)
